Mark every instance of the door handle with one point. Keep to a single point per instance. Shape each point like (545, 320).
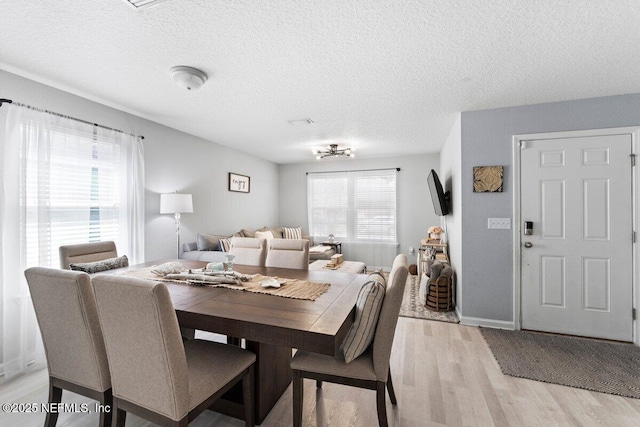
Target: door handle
(528, 244)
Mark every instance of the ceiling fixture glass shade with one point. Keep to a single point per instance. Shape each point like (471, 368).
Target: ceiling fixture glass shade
(188, 77)
(333, 151)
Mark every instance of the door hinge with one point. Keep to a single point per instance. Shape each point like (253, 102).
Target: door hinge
(633, 237)
(633, 314)
(633, 159)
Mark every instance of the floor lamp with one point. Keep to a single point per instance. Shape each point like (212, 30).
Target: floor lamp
(176, 204)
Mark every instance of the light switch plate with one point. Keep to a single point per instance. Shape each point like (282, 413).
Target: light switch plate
(499, 223)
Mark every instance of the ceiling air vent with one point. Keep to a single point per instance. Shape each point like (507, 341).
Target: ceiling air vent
(143, 4)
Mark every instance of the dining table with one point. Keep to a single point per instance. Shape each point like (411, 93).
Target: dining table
(271, 326)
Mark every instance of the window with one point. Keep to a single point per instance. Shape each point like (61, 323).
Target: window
(357, 207)
(70, 195)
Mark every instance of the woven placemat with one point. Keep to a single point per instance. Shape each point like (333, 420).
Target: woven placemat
(590, 364)
(291, 288)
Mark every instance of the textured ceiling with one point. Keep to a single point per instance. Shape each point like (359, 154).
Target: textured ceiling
(386, 77)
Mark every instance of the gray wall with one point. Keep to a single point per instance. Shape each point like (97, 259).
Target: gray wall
(173, 161)
(487, 283)
(415, 212)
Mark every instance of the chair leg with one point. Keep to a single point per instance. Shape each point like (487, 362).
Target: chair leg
(55, 396)
(248, 397)
(119, 416)
(392, 394)
(381, 404)
(318, 384)
(106, 415)
(297, 398)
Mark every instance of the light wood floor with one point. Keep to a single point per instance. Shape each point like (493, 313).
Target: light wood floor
(444, 374)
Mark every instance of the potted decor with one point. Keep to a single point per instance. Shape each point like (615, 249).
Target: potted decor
(435, 232)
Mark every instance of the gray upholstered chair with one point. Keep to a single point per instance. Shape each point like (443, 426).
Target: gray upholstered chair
(370, 370)
(66, 310)
(154, 374)
(249, 250)
(86, 252)
(288, 253)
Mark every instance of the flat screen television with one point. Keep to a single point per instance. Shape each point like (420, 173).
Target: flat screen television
(439, 198)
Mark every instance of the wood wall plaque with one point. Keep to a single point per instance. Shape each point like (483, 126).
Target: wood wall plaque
(487, 179)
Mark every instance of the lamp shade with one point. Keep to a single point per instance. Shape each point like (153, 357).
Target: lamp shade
(176, 203)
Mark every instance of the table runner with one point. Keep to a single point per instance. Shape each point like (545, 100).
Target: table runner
(292, 288)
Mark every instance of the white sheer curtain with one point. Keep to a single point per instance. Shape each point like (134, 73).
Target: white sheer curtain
(62, 182)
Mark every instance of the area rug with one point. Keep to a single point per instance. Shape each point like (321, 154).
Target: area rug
(590, 364)
(411, 307)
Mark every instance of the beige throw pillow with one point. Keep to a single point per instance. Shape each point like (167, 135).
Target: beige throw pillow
(368, 307)
(265, 235)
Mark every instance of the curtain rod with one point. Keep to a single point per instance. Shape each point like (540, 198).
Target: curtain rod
(8, 101)
(358, 170)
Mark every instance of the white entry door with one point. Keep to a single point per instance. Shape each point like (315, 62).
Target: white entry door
(577, 261)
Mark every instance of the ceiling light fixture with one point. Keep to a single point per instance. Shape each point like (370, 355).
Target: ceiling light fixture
(299, 122)
(142, 4)
(188, 77)
(333, 151)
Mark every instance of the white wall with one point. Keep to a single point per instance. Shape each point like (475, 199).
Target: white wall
(451, 176)
(415, 212)
(173, 161)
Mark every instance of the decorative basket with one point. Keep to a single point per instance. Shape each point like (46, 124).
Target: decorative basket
(439, 296)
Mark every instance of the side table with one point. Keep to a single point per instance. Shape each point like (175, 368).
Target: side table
(335, 244)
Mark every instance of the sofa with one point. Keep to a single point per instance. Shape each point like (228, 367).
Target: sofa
(208, 247)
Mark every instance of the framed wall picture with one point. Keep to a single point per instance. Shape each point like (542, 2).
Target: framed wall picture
(487, 179)
(239, 183)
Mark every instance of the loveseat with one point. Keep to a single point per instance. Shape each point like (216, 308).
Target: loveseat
(209, 248)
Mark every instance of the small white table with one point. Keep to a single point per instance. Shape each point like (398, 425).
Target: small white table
(346, 267)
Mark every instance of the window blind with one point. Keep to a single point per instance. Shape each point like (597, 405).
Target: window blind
(355, 206)
(71, 192)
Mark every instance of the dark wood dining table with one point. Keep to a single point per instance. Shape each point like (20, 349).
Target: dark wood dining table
(271, 325)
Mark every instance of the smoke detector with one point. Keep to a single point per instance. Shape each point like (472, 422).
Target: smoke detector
(188, 77)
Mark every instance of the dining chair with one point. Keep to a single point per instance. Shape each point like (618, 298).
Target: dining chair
(66, 311)
(154, 374)
(288, 253)
(371, 370)
(249, 250)
(86, 252)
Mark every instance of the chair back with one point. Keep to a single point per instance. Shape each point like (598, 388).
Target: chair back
(249, 250)
(144, 347)
(86, 252)
(65, 307)
(386, 329)
(288, 253)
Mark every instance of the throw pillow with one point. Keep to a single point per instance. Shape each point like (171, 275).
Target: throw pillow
(225, 244)
(292, 233)
(368, 307)
(265, 235)
(208, 242)
(434, 270)
(247, 233)
(98, 266)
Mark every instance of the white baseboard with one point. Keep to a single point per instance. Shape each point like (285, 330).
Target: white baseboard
(486, 323)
